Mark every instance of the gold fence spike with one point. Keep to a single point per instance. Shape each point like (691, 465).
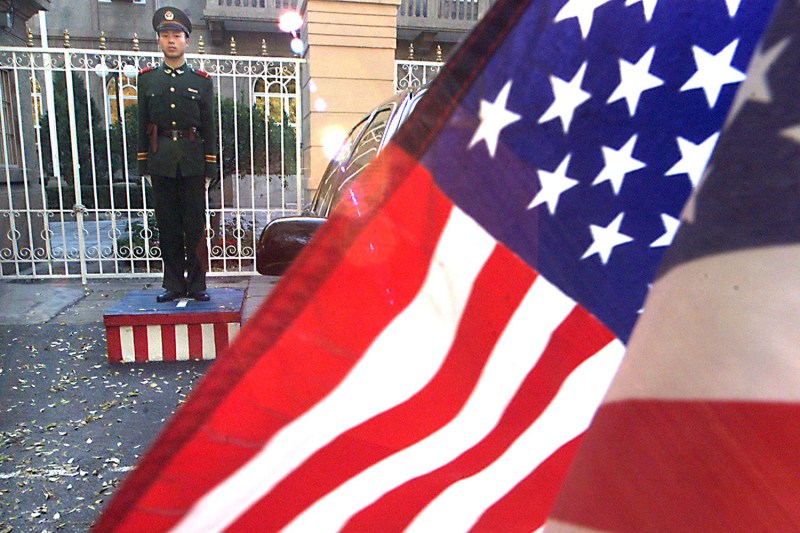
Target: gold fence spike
(102, 40)
(411, 51)
(135, 42)
(439, 53)
(233, 46)
(201, 46)
(66, 38)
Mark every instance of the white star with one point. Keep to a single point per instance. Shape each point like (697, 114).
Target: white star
(494, 117)
(756, 86)
(689, 213)
(792, 133)
(618, 164)
(694, 158)
(713, 71)
(670, 226)
(583, 10)
(634, 80)
(733, 6)
(648, 5)
(568, 97)
(606, 239)
(641, 309)
(553, 184)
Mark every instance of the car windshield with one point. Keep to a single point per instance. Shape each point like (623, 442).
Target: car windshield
(360, 147)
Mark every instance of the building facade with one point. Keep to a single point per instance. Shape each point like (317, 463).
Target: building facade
(424, 26)
(14, 16)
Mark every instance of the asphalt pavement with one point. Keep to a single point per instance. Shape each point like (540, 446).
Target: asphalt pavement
(71, 424)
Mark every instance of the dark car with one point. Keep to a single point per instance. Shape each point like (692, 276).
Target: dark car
(283, 238)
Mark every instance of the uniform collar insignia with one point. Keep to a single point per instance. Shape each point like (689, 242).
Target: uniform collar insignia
(178, 70)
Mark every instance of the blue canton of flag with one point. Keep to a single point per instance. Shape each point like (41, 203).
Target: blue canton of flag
(584, 139)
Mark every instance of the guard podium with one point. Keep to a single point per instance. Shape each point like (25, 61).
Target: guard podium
(139, 329)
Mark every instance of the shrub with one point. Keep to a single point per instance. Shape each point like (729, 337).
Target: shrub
(236, 155)
(83, 129)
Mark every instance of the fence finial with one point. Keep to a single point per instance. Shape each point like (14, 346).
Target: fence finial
(135, 42)
(102, 40)
(30, 37)
(66, 38)
(264, 47)
(233, 46)
(410, 51)
(439, 53)
(201, 46)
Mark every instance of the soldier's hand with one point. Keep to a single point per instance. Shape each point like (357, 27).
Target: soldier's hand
(148, 179)
(212, 182)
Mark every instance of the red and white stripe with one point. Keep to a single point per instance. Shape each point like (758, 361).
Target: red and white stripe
(701, 428)
(168, 342)
(468, 370)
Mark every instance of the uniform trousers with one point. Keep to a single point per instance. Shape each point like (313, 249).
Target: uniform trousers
(180, 215)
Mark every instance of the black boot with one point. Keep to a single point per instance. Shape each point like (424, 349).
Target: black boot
(200, 296)
(168, 296)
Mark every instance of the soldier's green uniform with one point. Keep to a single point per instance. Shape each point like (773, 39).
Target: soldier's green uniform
(177, 100)
(177, 147)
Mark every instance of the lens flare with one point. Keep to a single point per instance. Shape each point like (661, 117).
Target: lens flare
(332, 141)
(297, 45)
(290, 21)
(320, 105)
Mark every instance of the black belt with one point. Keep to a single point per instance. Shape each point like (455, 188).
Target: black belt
(191, 133)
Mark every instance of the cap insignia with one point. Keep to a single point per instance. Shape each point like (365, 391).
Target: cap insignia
(168, 15)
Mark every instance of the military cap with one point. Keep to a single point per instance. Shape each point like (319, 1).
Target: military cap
(171, 18)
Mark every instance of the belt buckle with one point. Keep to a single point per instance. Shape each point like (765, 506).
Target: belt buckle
(174, 135)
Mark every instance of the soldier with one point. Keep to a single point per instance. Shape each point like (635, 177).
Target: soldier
(177, 141)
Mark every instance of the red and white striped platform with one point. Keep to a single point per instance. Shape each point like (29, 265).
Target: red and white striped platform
(139, 329)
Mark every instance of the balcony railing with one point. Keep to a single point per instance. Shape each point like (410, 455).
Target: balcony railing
(420, 15)
(441, 15)
(255, 10)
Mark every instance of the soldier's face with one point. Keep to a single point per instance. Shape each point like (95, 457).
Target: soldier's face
(173, 43)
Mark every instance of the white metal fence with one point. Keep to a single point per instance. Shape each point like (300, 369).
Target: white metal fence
(72, 203)
(410, 73)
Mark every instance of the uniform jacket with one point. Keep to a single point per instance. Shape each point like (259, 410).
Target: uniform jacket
(176, 99)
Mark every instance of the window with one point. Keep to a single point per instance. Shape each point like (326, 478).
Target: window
(278, 97)
(36, 105)
(370, 142)
(127, 96)
(10, 120)
(328, 185)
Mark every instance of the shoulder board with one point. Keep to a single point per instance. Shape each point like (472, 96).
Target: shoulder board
(202, 73)
(147, 69)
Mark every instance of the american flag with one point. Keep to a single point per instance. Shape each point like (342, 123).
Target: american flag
(432, 360)
(700, 430)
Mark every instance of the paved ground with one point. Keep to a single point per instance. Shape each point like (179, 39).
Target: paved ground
(71, 424)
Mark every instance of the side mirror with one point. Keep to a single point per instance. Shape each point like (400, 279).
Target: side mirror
(281, 241)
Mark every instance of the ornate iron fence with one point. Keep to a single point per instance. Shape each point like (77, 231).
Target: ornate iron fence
(72, 203)
(409, 73)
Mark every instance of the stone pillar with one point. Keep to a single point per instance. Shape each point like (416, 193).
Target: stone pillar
(350, 53)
